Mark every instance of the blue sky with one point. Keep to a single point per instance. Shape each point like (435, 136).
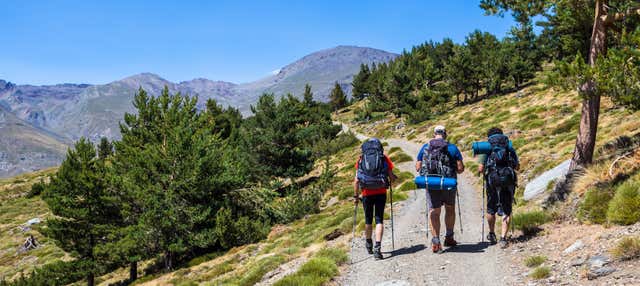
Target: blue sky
(47, 42)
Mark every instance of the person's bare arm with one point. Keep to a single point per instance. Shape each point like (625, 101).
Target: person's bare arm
(460, 167)
(481, 168)
(418, 166)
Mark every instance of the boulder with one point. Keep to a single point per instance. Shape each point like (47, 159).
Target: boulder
(538, 185)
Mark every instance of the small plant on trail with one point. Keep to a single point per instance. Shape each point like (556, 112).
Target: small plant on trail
(540, 272)
(534, 261)
(627, 248)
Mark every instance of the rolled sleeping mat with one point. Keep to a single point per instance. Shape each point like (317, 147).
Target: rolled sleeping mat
(436, 183)
(484, 147)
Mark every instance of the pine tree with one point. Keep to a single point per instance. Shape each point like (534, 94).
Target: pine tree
(175, 172)
(84, 206)
(105, 148)
(308, 96)
(361, 83)
(337, 99)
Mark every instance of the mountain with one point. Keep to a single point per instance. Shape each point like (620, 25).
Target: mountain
(65, 112)
(320, 69)
(26, 148)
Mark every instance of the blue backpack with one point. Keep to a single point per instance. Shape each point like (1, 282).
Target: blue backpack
(372, 167)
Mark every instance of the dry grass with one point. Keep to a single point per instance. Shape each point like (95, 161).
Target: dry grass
(627, 248)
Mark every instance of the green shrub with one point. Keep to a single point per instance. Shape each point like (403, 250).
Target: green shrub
(316, 271)
(36, 189)
(529, 222)
(534, 261)
(335, 254)
(594, 206)
(407, 186)
(540, 272)
(400, 157)
(624, 208)
(394, 149)
(627, 248)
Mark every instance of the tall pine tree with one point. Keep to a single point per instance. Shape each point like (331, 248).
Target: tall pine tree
(337, 99)
(84, 206)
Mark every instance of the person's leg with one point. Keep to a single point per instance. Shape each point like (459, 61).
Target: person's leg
(434, 216)
(368, 220)
(492, 204)
(379, 205)
(450, 212)
(380, 202)
(507, 204)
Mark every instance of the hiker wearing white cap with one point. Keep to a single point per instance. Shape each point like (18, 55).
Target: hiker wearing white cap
(440, 157)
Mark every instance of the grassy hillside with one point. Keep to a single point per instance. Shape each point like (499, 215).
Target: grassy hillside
(299, 251)
(15, 210)
(542, 123)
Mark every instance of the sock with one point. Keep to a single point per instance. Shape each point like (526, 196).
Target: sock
(449, 232)
(435, 240)
(377, 243)
(369, 241)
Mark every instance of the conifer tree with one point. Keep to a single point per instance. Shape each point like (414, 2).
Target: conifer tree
(361, 83)
(337, 99)
(308, 96)
(175, 172)
(84, 206)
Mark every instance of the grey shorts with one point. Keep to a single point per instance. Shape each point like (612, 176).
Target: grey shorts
(435, 199)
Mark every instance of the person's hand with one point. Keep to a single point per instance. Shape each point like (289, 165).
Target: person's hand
(356, 199)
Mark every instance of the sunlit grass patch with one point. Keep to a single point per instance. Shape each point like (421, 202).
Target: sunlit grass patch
(534, 261)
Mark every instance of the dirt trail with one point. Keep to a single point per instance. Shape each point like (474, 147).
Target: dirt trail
(412, 263)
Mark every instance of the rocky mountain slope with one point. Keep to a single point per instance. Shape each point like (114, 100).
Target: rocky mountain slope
(71, 111)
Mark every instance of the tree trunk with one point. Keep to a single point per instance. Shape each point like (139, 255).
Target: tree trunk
(586, 141)
(133, 271)
(90, 279)
(168, 260)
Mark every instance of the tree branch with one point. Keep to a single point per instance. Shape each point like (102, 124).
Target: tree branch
(611, 18)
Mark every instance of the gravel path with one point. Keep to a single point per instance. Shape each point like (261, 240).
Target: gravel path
(412, 262)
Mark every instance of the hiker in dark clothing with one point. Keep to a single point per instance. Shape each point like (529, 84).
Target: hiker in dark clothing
(446, 160)
(373, 176)
(498, 168)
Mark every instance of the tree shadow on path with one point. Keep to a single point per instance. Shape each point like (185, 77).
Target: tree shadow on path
(469, 248)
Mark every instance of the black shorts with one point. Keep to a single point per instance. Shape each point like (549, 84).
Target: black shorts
(502, 195)
(435, 199)
(374, 205)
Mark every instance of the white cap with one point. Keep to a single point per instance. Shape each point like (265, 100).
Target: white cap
(439, 129)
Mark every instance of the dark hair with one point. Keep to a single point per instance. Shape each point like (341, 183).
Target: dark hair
(494, 131)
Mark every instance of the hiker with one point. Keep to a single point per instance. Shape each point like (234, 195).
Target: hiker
(373, 176)
(439, 157)
(498, 168)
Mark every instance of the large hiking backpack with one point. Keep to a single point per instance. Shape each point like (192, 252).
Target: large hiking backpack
(436, 159)
(500, 161)
(372, 167)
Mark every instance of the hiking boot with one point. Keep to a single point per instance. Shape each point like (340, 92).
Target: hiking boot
(491, 237)
(503, 243)
(436, 247)
(369, 246)
(377, 254)
(449, 241)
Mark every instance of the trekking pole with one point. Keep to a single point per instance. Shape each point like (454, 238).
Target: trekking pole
(459, 212)
(483, 187)
(355, 213)
(426, 203)
(393, 245)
